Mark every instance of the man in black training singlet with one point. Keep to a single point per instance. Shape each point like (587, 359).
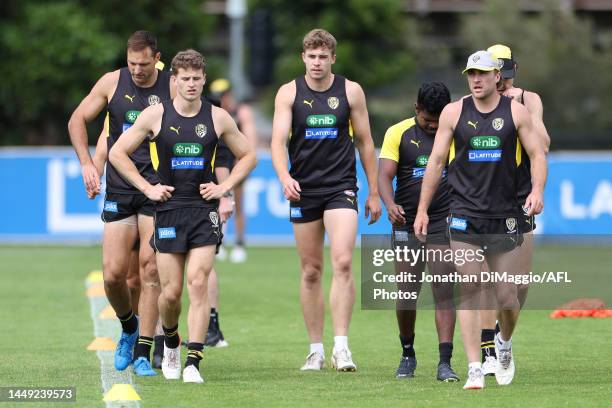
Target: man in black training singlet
(127, 214)
(478, 135)
(323, 117)
(186, 131)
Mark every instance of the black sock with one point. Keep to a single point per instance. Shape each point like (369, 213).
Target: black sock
(159, 345)
(171, 337)
(497, 329)
(143, 347)
(213, 322)
(446, 352)
(194, 354)
(240, 242)
(129, 322)
(487, 343)
(407, 346)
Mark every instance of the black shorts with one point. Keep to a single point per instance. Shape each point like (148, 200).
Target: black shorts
(494, 235)
(118, 206)
(526, 222)
(436, 234)
(180, 229)
(311, 208)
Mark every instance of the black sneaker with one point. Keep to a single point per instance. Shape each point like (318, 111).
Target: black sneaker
(406, 368)
(214, 338)
(446, 373)
(158, 351)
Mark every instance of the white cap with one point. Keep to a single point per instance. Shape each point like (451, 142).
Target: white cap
(482, 61)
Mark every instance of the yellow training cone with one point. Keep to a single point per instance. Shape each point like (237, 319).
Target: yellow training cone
(122, 392)
(94, 277)
(101, 343)
(96, 290)
(107, 313)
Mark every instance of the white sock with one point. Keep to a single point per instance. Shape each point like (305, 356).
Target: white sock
(317, 347)
(503, 344)
(340, 342)
(475, 365)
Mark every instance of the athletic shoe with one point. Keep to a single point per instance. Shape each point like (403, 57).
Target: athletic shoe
(158, 352)
(142, 368)
(489, 366)
(171, 364)
(214, 338)
(342, 360)
(124, 354)
(238, 254)
(446, 373)
(222, 254)
(406, 368)
(192, 375)
(475, 380)
(314, 362)
(504, 372)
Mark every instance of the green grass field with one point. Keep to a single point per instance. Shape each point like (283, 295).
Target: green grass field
(46, 327)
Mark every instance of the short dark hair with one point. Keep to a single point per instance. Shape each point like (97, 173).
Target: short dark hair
(433, 97)
(142, 40)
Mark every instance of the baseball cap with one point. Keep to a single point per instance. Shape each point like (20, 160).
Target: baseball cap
(504, 54)
(482, 61)
(220, 86)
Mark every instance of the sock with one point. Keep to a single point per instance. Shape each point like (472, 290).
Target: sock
(407, 346)
(194, 354)
(497, 329)
(240, 242)
(340, 342)
(213, 322)
(475, 365)
(143, 347)
(159, 345)
(129, 322)
(503, 344)
(317, 347)
(446, 352)
(487, 345)
(171, 337)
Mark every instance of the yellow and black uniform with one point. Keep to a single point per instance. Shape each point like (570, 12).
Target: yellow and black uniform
(409, 146)
(321, 151)
(523, 175)
(186, 148)
(122, 198)
(482, 176)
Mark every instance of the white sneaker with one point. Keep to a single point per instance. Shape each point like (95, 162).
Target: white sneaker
(192, 375)
(238, 254)
(475, 380)
(171, 364)
(222, 255)
(342, 360)
(489, 366)
(314, 362)
(504, 372)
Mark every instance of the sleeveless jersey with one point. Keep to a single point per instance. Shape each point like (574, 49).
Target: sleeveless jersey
(125, 106)
(321, 149)
(409, 146)
(185, 149)
(482, 162)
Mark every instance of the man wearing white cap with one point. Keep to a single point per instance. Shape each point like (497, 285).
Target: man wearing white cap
(478, 136)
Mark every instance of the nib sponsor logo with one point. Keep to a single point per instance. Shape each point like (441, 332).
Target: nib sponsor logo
(321, 120)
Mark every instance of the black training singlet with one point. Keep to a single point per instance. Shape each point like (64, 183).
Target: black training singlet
(123, 109)
(482, 162)
(523, 172)
(186, 150)
(321, 149)
(409, 146)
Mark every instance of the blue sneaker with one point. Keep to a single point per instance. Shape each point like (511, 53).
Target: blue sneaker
(142, 367)
(125, 350)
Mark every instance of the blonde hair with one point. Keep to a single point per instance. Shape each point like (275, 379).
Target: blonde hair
(188, 59)
(319, 38)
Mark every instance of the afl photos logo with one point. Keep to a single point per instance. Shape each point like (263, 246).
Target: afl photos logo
(498, 124)
(200, 130)
(154, 100)
(333, 102)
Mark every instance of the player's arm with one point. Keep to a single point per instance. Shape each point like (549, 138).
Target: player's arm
(148, 122)
(387, 170)
(100, 156)
(281, 128)
(533, 103)
(226, 203)
(88, 110)
(363, 141)
(435, 164)
(241, 149)
(535, 150)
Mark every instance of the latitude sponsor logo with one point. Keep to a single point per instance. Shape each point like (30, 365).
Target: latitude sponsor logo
(321, 133)
(187, 163)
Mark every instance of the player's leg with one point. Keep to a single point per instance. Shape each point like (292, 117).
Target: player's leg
(239, 254)
(309, 242)
(214, 336)
(341, 227)
(525, 257)
(199, 263)
(133, 278)
(488, 318)
(149, 278)
(445, 310)
(118, 239)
